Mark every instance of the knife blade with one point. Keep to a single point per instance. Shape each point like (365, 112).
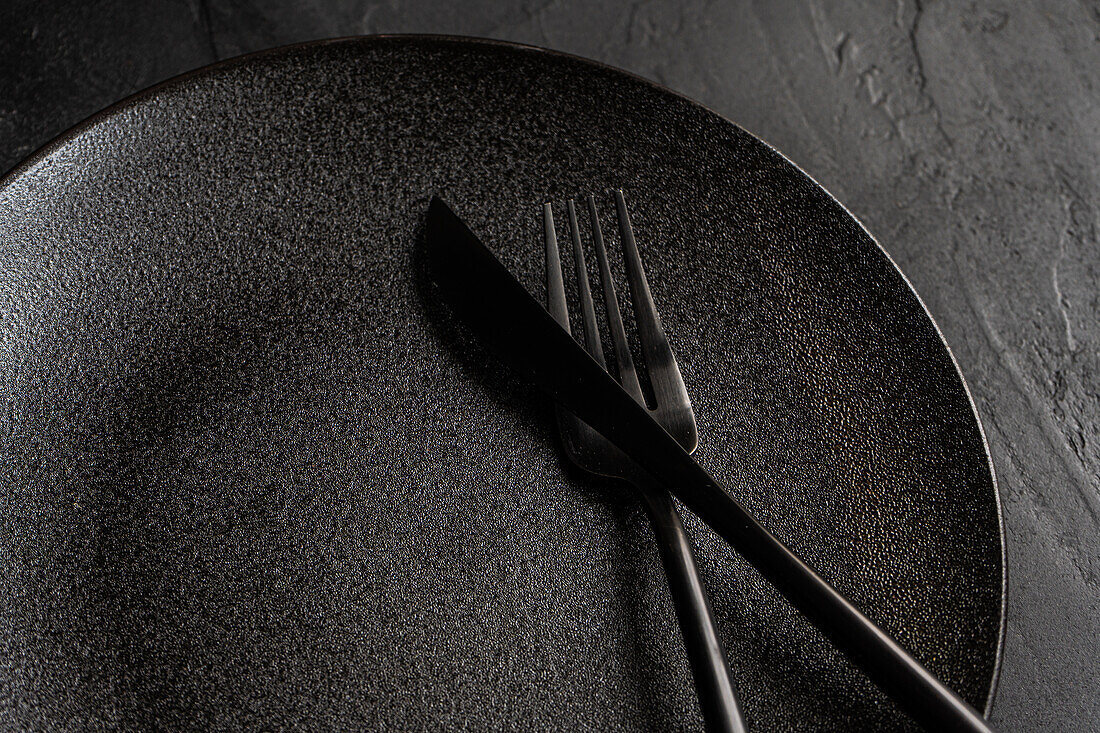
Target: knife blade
(514, 326)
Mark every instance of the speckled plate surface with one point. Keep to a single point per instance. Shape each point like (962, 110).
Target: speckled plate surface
(248, 481)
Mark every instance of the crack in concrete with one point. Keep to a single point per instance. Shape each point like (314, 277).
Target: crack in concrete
(1013, 472)
(1075, 468)
(1068, 234)
(1092, 11)
(201, 9)
(839, 48)
(366, 18)
(538, 15)
(914, 26)
(927, 103)
(1060, 300)
(833, 49)
(784, 76)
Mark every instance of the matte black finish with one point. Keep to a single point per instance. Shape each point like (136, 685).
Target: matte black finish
(248, 484)
(591, 452)
(710, 665)
(496, 307)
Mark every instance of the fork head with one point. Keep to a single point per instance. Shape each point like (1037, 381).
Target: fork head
(672, 407)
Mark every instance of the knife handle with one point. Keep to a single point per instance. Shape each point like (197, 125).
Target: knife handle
(916, 690)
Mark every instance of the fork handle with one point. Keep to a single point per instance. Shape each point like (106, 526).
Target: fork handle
(705, 651)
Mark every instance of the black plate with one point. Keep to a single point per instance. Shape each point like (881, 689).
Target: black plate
(249, 482)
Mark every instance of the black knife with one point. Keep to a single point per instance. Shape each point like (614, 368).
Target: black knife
(515, 327)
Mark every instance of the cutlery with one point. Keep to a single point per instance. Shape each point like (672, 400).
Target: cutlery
(499, 311)
(592, 452)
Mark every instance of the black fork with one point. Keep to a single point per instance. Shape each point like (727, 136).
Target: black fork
(672, 409)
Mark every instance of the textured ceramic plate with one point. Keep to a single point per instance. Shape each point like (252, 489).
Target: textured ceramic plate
(249, 480)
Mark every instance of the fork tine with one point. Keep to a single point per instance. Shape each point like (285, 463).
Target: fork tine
(555, 285)
(628, 375)
(584, 290)
(664, 374)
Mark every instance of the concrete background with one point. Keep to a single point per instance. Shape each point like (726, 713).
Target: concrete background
(963, 134)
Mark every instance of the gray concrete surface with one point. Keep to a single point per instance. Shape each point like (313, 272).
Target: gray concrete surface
(963, 134)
